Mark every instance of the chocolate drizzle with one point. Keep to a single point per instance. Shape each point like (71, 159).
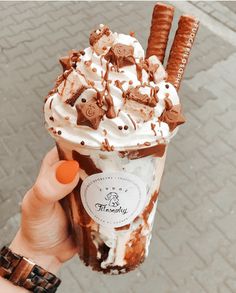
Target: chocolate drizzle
(110, 113)
(50, 104)
(156, 151)
(135, 248)
(86, 163)
(139, 69)
(148, 209)
(119, 84)
(76, 95)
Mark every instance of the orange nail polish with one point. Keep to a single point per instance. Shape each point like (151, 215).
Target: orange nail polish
(67, 171)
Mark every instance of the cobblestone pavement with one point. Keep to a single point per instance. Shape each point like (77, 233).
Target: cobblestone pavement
(194, 241)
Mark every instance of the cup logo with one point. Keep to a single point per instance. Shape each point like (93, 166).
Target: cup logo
(113, 199)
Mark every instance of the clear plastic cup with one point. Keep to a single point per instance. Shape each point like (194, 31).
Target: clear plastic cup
(112, 209)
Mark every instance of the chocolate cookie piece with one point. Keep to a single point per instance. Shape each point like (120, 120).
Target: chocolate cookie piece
(173, 117)
(76, 95)
(97, 34)
(135, 95)
(120, 55)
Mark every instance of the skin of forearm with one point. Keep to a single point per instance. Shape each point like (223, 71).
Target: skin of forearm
(47, 262)
(8, 287)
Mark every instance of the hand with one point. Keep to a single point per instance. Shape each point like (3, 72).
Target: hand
(43, 235)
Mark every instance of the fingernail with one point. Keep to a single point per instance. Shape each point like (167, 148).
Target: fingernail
(67, 171)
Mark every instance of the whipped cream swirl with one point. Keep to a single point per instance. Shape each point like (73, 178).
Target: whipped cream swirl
(125, 120)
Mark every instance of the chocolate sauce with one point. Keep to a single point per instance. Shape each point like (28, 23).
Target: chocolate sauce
(86, 163)
(149, 207)
(156, 151)
(50, 104)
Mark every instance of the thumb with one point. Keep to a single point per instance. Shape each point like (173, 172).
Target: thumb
(57, 181)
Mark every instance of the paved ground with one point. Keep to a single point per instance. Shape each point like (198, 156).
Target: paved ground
(194, 240)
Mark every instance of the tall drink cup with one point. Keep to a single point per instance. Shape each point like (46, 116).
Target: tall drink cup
(112, 208)
(113, 112)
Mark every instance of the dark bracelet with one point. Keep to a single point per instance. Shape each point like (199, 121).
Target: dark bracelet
(25, 273)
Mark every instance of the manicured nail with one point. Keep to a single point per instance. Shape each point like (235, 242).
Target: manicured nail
(67, 171)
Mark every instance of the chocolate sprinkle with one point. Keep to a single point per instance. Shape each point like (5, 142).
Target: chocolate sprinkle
(153, 128)
(106, 146)
(82, 142)
(147, 143)
(131, 119)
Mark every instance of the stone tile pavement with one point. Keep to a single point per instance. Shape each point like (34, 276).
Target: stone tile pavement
(194, 241)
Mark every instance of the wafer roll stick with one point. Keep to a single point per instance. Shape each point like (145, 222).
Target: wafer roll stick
(160, 27)
(180, 50)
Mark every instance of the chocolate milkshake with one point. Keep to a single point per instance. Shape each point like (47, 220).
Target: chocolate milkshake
(113, 111)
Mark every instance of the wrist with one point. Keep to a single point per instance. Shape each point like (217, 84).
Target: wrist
(45, 260)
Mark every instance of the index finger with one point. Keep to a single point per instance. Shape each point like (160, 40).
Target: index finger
(50, 159)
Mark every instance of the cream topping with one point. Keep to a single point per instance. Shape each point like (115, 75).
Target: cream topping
(135, 124)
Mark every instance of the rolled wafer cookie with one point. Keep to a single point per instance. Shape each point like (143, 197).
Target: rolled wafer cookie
(160, 27)
(180, 50)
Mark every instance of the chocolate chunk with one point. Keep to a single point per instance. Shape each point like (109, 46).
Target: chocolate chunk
(135, 95)
(173, 117)
(89, 114)
(70, 61)
(65, 63)
(120, 55)
(97, 34)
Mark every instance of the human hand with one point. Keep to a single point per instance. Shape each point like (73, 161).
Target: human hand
(44, 236)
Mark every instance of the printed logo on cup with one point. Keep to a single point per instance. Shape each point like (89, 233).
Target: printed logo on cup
(113, 199)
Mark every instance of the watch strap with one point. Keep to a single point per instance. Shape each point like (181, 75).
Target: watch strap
(25, 273)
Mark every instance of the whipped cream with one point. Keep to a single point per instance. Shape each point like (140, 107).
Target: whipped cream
(123, 121)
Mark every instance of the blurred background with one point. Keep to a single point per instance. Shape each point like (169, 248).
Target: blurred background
(194, 239)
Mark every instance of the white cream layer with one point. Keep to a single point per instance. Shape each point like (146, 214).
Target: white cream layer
(65, 116)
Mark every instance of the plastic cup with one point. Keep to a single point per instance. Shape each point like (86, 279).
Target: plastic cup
(112, 209)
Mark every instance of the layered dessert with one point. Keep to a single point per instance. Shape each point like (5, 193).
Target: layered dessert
(114, 111)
